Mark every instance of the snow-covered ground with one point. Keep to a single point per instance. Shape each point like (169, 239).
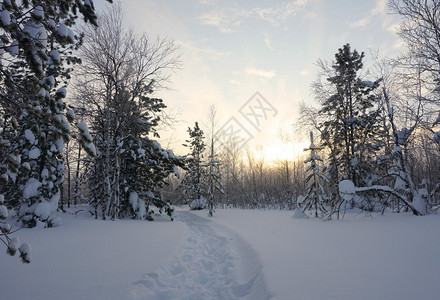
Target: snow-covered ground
(381, 257)
(85, 258)
(237, 254)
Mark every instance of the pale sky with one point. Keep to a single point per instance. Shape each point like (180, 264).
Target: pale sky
(232, 49)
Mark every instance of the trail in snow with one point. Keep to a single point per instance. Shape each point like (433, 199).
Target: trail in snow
(214, 263)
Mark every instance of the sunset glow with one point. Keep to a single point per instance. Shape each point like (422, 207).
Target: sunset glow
(278, 152)
(232, 49)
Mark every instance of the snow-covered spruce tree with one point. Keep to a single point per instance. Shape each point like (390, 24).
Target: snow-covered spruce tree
(36, 43)
(193, 184)
(350, 119)
(145, 165)
(114, 84)
(315, 197)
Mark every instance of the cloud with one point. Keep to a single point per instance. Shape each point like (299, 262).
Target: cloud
(260, 73)
(360, 23)
(304, 72)
(208, 2)
(394, 28)
(195, 48)
(399, 44)
(230, 16)
(280, 12)
(235, 82)
(267, 42)
(225, 19)
(379, 9)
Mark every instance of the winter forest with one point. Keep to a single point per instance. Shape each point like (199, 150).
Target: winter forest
(81, 116)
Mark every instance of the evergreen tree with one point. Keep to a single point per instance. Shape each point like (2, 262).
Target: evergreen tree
(145, 165)
(36, 44)
(193, 184)
(315, 196)
(351, 123)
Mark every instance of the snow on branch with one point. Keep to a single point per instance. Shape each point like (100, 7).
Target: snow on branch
(347, 190)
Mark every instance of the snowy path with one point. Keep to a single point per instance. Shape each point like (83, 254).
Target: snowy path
(214, 263)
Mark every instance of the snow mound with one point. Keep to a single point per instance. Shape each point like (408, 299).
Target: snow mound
(347, 189)
(43, 210)
(298, 214)
(31, 188)
(198, 204)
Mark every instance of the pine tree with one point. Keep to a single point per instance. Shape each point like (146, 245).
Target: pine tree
(193, 184)
(352, 113)
(315, 196)
(351, 123)
(145, 165)
(36, 44)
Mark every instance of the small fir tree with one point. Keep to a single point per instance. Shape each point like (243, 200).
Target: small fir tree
(315, 198)
(193, 182)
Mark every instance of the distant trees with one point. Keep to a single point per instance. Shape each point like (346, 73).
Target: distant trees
(232, 165)
(249, 180)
